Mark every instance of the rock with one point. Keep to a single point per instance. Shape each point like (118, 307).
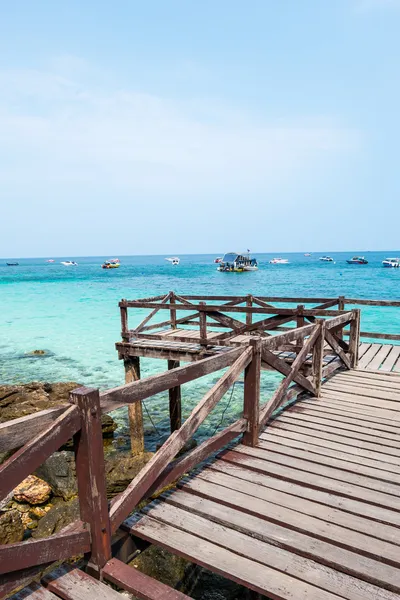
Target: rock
(59, 472)
(32, 490)
(36, 353)
(11, 527)
(37, 512)
(121, 469)
(57, 518)
(108, 425)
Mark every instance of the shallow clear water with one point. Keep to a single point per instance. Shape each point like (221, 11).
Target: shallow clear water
(72, 313)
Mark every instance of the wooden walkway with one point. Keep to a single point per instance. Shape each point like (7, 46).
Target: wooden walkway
(312, 512)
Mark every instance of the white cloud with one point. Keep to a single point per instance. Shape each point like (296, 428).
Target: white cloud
(57, 127)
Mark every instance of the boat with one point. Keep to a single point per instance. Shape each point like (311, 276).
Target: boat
(12, 264)
(50, 260)
(174, 260)
(308, 254)
(279, 261)
(233, 262)
(69, 263)
(391, 263)
(357, 260)
(218, 259)
(113, 263)
(326, 258)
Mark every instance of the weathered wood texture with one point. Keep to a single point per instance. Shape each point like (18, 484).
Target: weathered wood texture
(135, 411)
(15, 433)
(73, 584)
(175, 401)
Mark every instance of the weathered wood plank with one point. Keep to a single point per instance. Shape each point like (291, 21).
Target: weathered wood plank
(63, 545)
(378, 359)
(139, 584)
(254, 575)
(334, 343)
(153, 312)
(361, 390)
(270, 555)
(323, 552)
(280, 365)
(369, 355)
(251, 406)
(391, 405)
(33, 592)
(28, 458)
(175, 401)
(72, 584)
(125, 502)
(15, 433)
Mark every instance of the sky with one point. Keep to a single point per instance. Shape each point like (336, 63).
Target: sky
(158, 127)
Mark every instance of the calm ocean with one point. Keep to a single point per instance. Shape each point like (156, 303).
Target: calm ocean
(72, 313)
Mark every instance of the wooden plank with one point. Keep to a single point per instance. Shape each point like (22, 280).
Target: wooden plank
(140, 390)
(360, 390)
(390, 405)
(313, 480)
(196, 456)
(280, 365)
(343, 463)
(355, 507)
(91, 478)
(378, 359)
(363, 348)
(385, 453)
(17, 579)
(33, 592)
(15, 433)
(390, 492)
(22, 555)
(301, 522)
(125, 502)
(139, 584)
(251, 404)
(175, 401)
(382, 415)
(333, 342)
(363, 302)
(135, 410)
(260, 578)
(72, 584)
(298, 543)
(390, 463)
(302, 505)
(341, 320)
(266, 554)
(369, 355)
(28, 458)
(374, 374)
(378, 384)
(153, 312)
(346, 430)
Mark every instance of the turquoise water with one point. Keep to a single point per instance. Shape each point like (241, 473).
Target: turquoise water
(72, 313)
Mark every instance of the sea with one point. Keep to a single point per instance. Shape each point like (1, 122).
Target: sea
(72, 314)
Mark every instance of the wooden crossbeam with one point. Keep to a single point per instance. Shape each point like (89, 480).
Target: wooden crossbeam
(334, 344)
(280, 365)
(153, 312)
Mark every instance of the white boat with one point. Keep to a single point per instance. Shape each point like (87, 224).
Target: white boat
(233, 262)
(391, 263)
(69, 263)
(326, 258)
(174, 260)
(279, 261)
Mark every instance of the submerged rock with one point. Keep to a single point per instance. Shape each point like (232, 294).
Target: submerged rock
(11, 527)
(32, 490)
(36, 353)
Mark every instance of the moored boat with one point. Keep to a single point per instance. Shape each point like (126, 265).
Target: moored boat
(113, 263)
(391, 263)
(233, 262)
(174, 260)
(326, 258)
(279, 261)
(357, 260)
(69, 263)
(14, 264)
(218, 259)
(308, 254)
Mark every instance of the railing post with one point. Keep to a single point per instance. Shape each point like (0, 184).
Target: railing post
(341, 305)
(251, 409)
(318, 357)
(135, 413)
(124, 322)
(172, 300)
(175, 403)
(90, 471)
(300, 321)
(249, 315)
(354, 342)
(203, 325)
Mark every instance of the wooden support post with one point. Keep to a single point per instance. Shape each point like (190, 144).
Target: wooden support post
(249, 315)
(341, 305)
(300, 321)
(132, 373)
(172, 300)
(124, 323)
(251, 408)
(203, 325)
(354, 342)
(90, 471)
(175, 405)
(318, 357)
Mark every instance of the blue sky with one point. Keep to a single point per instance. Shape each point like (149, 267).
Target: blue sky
(183, 126)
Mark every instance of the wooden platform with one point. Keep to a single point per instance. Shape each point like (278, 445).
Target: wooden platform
(379, 357)
(313, 511)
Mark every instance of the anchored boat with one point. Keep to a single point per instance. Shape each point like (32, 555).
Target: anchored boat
(391, 263)
(12, 264)
(279, 261)
(113, 263)
(326, 258)
(174, 260)
(357, 260)
(233, 262)
(69, 263)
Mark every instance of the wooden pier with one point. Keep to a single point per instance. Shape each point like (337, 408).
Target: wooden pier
(299, 498)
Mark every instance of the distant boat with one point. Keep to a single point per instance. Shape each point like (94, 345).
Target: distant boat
(174, 260)
(391, 263)
(69, 263)
(308, 254)
(113, 263)
(12, 264)
(357, 260)
(51, 260)
(279, 261)
(233, 262)
(326, 258)
(218, 259)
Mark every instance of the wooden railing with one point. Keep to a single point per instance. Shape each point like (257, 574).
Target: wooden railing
(92, 534)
